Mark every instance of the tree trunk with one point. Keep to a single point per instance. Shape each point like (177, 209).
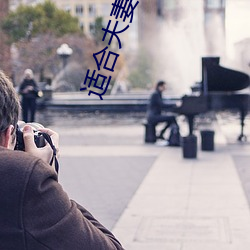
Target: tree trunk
(5, 58)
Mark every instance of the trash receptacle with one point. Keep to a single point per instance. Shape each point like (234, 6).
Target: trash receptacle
(207, 140)
(189, 146)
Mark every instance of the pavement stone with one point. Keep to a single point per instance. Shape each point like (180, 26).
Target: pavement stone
(206, 208)
(103, 184)
(172, 203)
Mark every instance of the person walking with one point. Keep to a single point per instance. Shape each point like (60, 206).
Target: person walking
(29, 92)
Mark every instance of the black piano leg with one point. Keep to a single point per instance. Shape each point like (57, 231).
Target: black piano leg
(242, 137)
(190, 123)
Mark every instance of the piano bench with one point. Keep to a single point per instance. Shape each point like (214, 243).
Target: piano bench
(150, 132)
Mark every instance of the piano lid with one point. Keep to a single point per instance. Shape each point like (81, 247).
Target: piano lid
(218, 78)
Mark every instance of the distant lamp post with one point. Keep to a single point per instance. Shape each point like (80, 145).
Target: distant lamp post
(64, 51)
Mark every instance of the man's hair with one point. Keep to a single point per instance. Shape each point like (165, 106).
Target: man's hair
(159, 84)
(9, 104)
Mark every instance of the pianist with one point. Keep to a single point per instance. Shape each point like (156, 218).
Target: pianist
(155, 107)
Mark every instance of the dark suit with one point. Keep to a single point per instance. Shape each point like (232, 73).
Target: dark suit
(154, 112)
(36, 214)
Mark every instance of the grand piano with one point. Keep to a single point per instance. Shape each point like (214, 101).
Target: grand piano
(220, 89)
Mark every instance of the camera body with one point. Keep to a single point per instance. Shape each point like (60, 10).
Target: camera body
(38, 137)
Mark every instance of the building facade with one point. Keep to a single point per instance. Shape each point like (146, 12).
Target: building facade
(87, 11)
(147, 11)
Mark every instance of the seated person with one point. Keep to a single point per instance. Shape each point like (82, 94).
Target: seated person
(36, 213)
(155, 107)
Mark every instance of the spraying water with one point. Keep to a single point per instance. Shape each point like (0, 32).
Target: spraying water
(187, 31)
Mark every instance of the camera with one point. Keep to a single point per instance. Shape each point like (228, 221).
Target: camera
(38, 137)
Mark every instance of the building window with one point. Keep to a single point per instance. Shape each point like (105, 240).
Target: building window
(92, 10)
(214, 4)
(82, 26)
(79, 10)
(91, 27)
(160, 7)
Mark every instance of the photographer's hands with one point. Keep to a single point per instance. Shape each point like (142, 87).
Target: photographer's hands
(45, 153)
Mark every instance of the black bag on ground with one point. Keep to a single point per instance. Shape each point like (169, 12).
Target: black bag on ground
(174, 136)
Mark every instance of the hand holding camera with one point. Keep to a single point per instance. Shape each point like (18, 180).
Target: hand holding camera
(41, 142)
(38, 137)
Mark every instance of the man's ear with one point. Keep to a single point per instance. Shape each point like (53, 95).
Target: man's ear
(7, 139)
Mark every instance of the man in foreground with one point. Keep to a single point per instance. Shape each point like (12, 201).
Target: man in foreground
(35, 212)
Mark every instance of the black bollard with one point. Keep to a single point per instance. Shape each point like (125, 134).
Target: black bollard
(207, 140)
(189, 146)
(150, 134)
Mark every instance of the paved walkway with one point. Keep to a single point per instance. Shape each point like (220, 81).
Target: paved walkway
(189, 204)
(181, 204)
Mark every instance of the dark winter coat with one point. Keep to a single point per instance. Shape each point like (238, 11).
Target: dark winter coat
(36, 214)
(32, 93)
